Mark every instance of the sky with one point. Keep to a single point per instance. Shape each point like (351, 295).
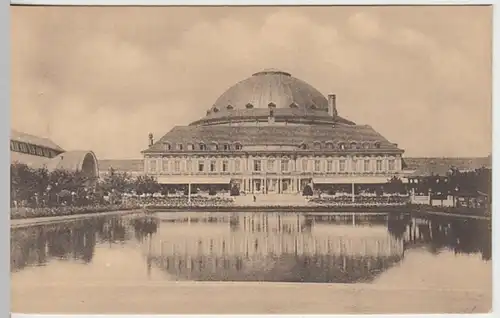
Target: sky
(102, 78)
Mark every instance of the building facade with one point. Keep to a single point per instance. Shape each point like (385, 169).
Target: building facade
(272, 133)
(38, 152)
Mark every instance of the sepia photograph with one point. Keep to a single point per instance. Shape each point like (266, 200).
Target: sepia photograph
(251, 159)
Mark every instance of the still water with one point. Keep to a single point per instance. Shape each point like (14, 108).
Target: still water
(402, 251)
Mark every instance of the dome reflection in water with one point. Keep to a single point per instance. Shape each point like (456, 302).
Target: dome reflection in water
(290, 247)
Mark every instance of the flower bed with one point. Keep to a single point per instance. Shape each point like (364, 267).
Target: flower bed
(24, 213)
(182, 201)
(360, 200)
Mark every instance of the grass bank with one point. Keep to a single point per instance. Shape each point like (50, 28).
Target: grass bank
(30, 213)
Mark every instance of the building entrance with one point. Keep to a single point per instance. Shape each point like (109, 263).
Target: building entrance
(257, 186)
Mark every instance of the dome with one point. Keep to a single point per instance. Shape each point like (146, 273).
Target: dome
(271, 88)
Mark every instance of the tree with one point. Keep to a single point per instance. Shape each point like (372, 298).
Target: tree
(146, 184)
(118, 181)
(395, 185)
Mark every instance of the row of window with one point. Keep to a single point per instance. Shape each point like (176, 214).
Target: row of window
(342, 145)
(316, 145)
(271, 105)
(34, 150)
(201, 166)
(203, 147)
(356, 165)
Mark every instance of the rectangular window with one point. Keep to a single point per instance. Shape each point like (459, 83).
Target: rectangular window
(32, 149)
(46, 152)
(152, 165)
(329, 166)
(342, 165)
(164, 165)
(366, 165)
(285, 165)
(237, 165)
(177, 166)
(189, 165)
(213, 166)
(201, 166)
(257, 165)
(180, 147)
(52, 154)
(225, 165)
(354, 165)
(392, 165)
(304, 164)
(317, 165)
(23, 147)
(39, 151)
(379, 165)
(12, 146)
(270, 165)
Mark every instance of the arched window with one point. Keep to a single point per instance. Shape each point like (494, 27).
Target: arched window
(313, 107)
(317, 145)
(230, 107)
(377, 145)
(353, 145)
(329, 145)
(226, 147)
(168, 146)
(237, 146)
(342, 146)
(366, 145)
(271, 105)
(294, 105)
(215, 109)
(249, 106)
(202, 146)
(303, 146)
(214, 146)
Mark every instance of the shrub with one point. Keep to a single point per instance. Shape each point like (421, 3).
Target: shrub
(307, 191)
(235, 190)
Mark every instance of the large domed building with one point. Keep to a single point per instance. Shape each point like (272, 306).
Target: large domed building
(272, 133)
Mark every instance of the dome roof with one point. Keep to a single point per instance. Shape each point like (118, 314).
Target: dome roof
(271, 88)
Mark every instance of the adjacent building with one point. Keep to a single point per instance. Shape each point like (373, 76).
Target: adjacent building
(273, 133)
(38, 152)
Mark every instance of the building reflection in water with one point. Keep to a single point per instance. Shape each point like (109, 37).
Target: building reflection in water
(278, 247)
(75, 240)
(438, 233)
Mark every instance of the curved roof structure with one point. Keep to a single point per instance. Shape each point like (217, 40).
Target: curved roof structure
(289, 99)
(272, 86)
(80, 160)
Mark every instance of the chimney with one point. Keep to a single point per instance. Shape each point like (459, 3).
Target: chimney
(151, 140)
(332, 105)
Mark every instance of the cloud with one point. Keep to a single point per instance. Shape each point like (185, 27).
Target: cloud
(103, 78)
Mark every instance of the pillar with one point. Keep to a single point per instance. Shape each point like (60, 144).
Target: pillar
(189, 192)
(353, 194)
